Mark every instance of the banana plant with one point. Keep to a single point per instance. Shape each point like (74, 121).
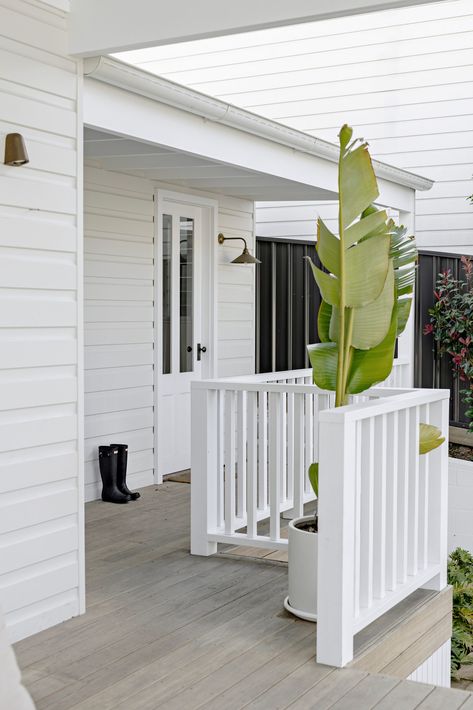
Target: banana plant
(366, 285)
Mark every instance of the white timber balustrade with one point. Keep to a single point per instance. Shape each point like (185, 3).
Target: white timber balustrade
(253, 440)
(382, 507)
(382, 511)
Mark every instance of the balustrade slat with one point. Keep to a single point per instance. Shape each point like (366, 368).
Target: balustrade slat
(357, 517)
(290, 446)
(367, 514)
(413, 521)
(424, 497)
(391, 499)
(282, 445)
(309, 436)
(274, 464)
(241, 454)
(379, 538)
(403, 495)
(220, 457)
(262, 450)
(252, 464)
(299, 472)
(230, 462)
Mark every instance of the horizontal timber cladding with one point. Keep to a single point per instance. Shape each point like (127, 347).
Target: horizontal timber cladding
(119, 314)
(235, 290)
(119, 321)
(40, 460)
(287, 303)
(430, 370)
(402, 78)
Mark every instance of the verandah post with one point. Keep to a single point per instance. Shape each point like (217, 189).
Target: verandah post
(437, 549)
(335, 592)
(204, 469)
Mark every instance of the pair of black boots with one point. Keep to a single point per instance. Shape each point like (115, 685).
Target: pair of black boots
(113, 461)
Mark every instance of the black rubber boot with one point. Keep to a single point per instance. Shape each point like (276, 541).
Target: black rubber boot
(121, 471)
(108, 462)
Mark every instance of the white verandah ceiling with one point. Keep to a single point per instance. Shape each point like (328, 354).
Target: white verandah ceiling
(185, 170)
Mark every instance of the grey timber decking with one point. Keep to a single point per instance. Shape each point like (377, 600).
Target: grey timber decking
(167, 630)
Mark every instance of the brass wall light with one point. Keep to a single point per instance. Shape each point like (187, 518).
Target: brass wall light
(245, 257)
(15, 150)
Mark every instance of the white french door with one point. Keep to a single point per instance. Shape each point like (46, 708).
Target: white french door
(178, 334)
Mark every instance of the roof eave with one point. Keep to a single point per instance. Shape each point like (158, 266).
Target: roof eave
(125, 76)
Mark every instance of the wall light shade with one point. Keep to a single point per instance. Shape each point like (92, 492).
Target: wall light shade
(245, 257)
(15, 150)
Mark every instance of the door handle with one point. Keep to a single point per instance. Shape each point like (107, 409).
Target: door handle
(189, 348)
(200, 349)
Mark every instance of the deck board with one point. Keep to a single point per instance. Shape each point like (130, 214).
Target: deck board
(167, 630)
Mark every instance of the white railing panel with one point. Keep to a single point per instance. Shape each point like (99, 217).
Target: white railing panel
(391, 509)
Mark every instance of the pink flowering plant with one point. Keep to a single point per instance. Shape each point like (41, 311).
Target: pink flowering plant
(451, 324)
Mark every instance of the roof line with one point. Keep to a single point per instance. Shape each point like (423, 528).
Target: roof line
(125, 76)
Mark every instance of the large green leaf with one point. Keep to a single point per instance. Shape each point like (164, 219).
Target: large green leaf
(328, 285)
(371, 323)
(403, 252)
(358, 186)
(365, 227)
(323, 358)
(403, 311)
(328, 248)
(366, 266)
(369, 367)
(323, 321)
(430, 437)
(334, 325)
(313, 474)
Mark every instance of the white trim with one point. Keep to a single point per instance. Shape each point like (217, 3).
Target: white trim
(80, 345)
(208, 292)
(111, 71)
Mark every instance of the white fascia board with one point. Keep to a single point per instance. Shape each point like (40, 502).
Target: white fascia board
(116, 73)
(118, 25)
(112, 109)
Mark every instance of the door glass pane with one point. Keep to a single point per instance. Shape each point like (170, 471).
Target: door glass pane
(186, 277)
(167, 294)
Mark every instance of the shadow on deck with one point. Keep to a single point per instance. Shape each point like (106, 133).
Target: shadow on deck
(167, 630)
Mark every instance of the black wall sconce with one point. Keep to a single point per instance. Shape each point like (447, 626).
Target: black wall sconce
(245, 257)
(15, 150)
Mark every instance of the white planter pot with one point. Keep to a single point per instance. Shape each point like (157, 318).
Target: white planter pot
(302, 555)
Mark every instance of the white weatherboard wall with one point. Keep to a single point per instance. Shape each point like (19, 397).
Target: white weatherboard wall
(436, 669)
(236, 291)
(118, 319)
(460, 504)
(119, 315)
(402, 78)
(40, 305)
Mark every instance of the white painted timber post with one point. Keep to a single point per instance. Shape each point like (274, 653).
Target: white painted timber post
(406, 339)
(438, 493)
(335, 575)
(204, 469)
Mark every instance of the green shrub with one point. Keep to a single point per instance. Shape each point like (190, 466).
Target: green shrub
(460, 576)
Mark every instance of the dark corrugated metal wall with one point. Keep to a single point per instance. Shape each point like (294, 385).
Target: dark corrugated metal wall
(287, 303)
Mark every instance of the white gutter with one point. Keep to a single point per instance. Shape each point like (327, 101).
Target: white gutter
(112, 71)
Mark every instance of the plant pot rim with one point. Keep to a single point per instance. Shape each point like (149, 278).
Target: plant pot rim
(303, 519)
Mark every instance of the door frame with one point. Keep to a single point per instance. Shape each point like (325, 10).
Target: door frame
(207, 296)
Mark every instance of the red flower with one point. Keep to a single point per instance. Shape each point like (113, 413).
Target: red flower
(428, 328)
